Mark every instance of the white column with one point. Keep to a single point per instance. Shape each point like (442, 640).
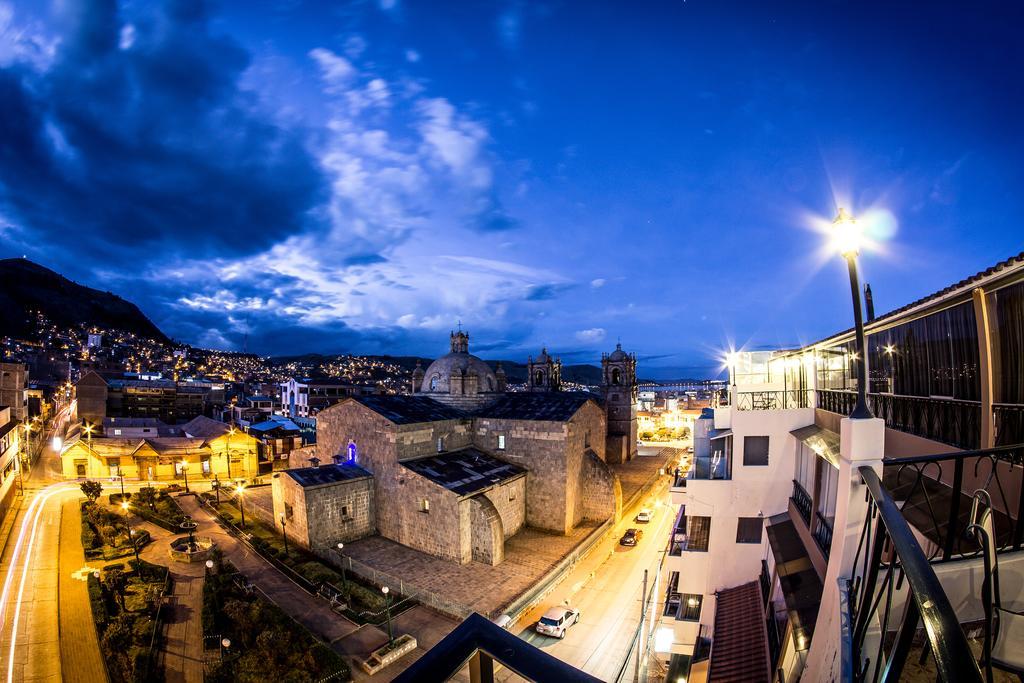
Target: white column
(861, 444)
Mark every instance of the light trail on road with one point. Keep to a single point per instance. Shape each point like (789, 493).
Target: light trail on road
(29, 525)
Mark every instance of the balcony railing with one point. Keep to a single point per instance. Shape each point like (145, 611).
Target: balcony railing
(823, 534)
(934, 493)
(957, 423)
(802, 502)
(774, 400)
(715, 466)
(1009, 423)
(888, 567)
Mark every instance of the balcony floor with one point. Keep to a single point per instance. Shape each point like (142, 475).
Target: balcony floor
(915, 672)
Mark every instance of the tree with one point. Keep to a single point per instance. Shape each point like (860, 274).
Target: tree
(116, 583)
(146, 496)
(92, 490)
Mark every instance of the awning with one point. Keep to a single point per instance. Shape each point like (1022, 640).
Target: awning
(801, 587)
(822, 441)
(719, 434)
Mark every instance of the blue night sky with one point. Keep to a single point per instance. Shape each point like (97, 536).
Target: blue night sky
(359, 177)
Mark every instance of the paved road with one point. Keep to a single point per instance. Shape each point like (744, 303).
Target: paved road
(606, 588)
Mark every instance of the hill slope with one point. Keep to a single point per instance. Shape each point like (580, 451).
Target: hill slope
(26, 287)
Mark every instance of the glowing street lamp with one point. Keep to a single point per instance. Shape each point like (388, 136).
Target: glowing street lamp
(184, 472)
(846, 237)
(387, 606)
(240, 489)
(227, 453)
(344, 580)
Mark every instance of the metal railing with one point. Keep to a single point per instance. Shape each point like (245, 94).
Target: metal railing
(774, 400)
(888, 567)
(802, 502)
(1009, 423)
(933, 494)
(948, 420)
(822, 534)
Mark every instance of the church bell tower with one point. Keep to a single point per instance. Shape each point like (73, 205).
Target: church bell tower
(618, 381)
(544, 373)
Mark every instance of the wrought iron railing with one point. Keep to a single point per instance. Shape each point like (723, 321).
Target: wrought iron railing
(802, 502)
(893, 590)
(1009, 423)
(934, 496)
(947, 420)
(823, 534)
(774, 400)
(834, 401)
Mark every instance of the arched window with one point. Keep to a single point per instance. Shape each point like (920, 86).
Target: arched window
(433, 382)
(539, 378)
(616, 376)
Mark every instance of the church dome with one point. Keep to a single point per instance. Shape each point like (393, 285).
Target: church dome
(459, 362)
(618, 354)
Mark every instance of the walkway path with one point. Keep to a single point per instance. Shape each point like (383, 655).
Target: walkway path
(80, 656)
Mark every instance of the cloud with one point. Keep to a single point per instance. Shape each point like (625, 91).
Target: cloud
(591, 336)
(412, 56)
(335, 70)
(510, 24)
(598, 283)
(546, 292)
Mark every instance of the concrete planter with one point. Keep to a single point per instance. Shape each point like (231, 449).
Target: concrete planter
(383, 656)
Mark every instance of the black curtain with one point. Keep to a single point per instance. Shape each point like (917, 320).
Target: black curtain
(963, 338)
(1009, 319)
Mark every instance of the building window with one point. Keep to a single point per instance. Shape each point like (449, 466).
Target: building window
(616, 376)
(433, 383)
(440, 444)
(424, 505)
(344, 511)
(698, 533)
(511, 494)
(755, 451)
(501, 442)
(748, 530)
(689, 607)
(117, 432)
(586, 439)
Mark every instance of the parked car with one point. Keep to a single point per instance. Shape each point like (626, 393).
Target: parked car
(557, 620)
(644, 516)
(631, 537)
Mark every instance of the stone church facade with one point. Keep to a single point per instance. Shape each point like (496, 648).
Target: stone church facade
(460, 465)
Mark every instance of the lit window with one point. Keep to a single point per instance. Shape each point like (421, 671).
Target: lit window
(440, 444)
(501, 442)
(425, 505)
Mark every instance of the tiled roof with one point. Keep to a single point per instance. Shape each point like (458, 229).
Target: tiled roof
(464, 471)
(205, 428)
(327, 474)
(739, 650)
(549, 406)
(405, 409)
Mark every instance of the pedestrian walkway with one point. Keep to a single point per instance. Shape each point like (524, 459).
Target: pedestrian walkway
(80, 658)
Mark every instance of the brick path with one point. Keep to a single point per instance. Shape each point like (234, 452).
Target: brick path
(80, 658)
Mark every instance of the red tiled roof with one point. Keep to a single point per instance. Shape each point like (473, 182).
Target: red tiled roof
(739, 648)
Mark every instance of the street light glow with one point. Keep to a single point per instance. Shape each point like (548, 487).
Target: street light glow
(846, 234)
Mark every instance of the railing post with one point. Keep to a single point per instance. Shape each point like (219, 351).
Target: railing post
(904, 639)
(954, 509)
(861, 444)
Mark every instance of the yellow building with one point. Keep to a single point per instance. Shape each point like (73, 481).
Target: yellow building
(206, 448)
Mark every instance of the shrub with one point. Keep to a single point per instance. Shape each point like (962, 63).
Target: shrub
(97, 602)
(92, 490)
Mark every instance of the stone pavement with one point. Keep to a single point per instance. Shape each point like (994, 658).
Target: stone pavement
(529, 554)
(641, 470)
(80, 658)
(183, 630)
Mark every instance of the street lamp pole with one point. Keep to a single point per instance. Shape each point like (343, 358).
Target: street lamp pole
(184, 472)
(387, 607)
(131, 532)
(284, 532)
(847, 234)
(227, 454)
(240, 489)
(344, 579)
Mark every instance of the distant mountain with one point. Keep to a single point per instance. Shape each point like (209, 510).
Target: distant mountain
(27, 287)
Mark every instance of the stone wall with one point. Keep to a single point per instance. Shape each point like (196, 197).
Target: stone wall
(487, 535)
(321, 516)
(602, 491)
(584, 433)
(420, 440)
(288, 495)
(509, 499)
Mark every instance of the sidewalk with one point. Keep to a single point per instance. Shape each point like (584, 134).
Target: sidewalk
(80, 658)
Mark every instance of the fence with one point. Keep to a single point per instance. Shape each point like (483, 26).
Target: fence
(437, 602)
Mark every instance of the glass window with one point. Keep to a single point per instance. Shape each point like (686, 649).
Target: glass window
(698, 533)
(748, 529)
(828, 482)
(501, 442)
(755, 451)
(805, 460)
(1007, 320)
(689, 606)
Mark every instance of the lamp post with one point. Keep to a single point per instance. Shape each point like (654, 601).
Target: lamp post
(387, 606)
(344, 579)
(131, 532)
(847, 236)
(284, 532)
(119, 475)
(240, 489)
(227, 453)
(184, 472)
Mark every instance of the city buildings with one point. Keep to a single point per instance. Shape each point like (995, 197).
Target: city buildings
(14, 389)
(304, 397)
(166, 400)
(774, 502)
(461, 465)
(207, 449)
(10, 463)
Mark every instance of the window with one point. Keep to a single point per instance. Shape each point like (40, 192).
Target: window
(440, 444)
(344, 511)
(828, 485)
(433, 382)
(424, 505)
(511, 493)
(117, 432)
(689, 607)
(616, 376)
(698, 533)
(586, 439)
(501, 442)
(748, 530)
(805, 461)
(755, 451)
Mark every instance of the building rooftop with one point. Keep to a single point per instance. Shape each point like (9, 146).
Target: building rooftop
(405, 409)
(205, 427)
(548, 406)
(133, 422)
(739, 653)
(464, 471)
(327, 474)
